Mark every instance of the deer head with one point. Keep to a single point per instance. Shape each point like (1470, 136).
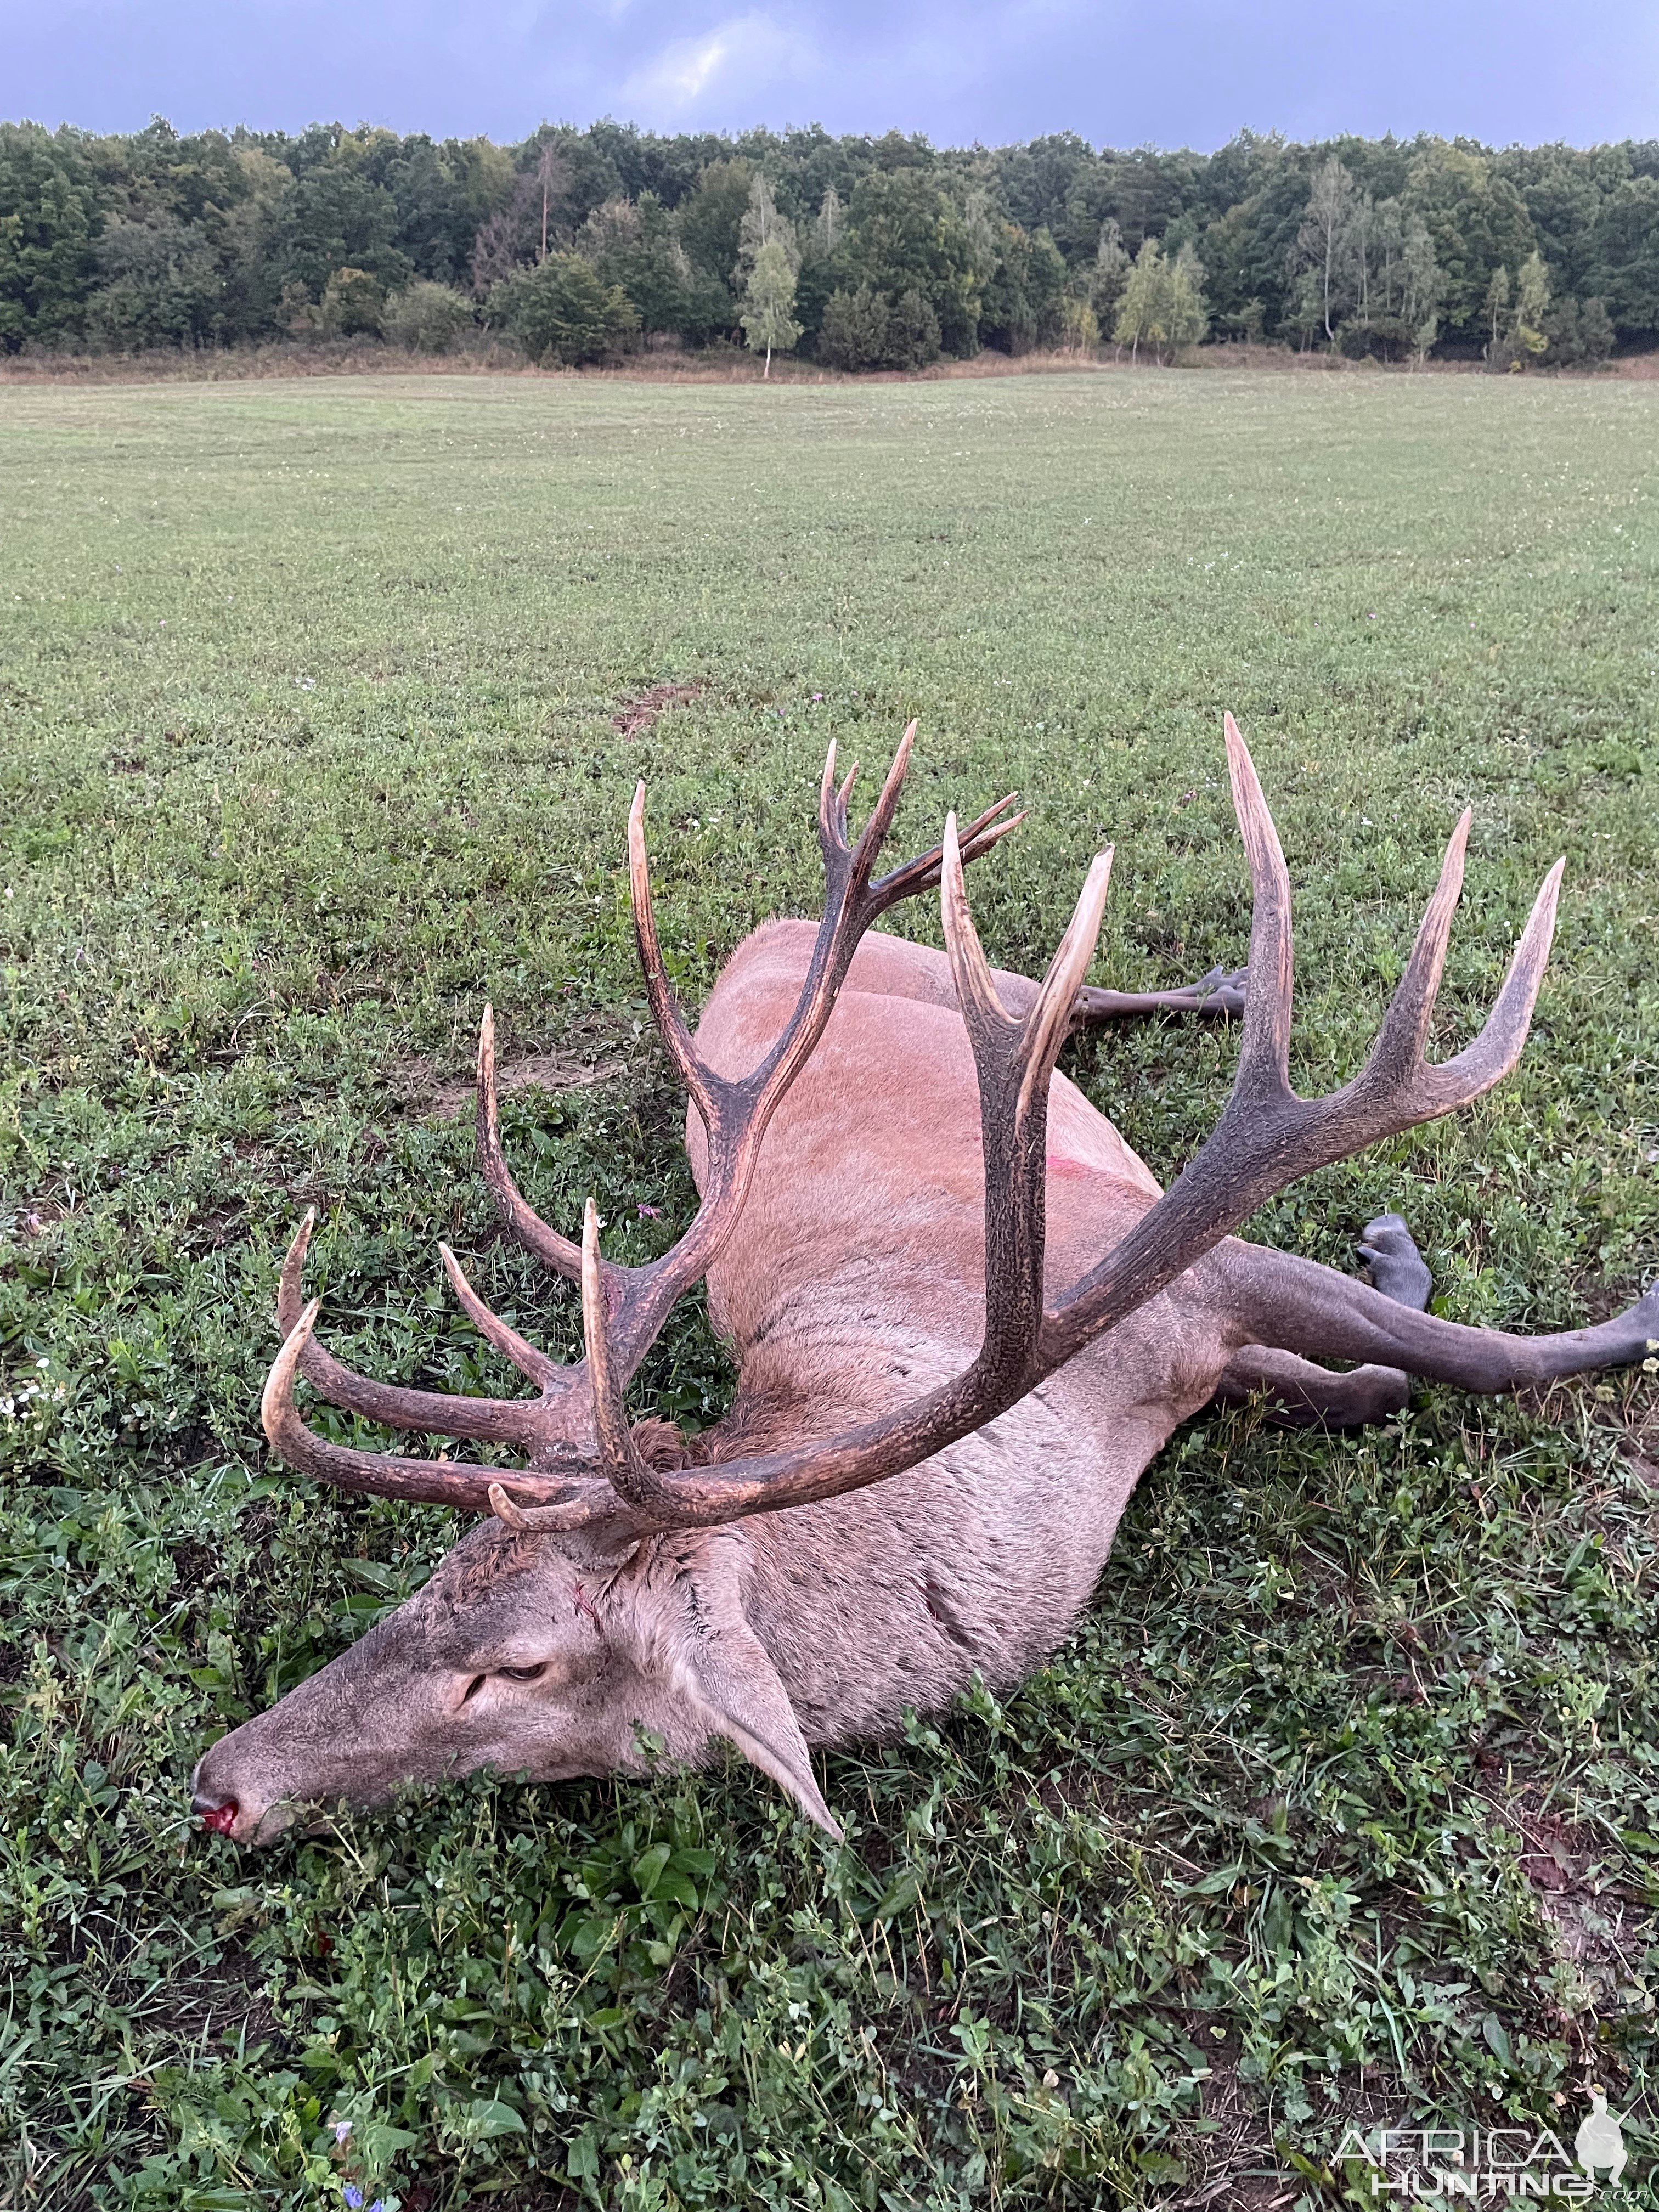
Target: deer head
(531, 1653)
(559, 1635)
(606, 1596)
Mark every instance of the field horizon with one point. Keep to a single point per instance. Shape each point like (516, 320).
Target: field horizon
(304, 364)
(323, 703)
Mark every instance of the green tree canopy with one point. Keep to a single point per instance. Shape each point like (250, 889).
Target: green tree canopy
(1020, 306)
(769, 300)
(633, 245)
(1162, 305)
(1625, 253)
(711, 221)
(49, 218)
(161, 283)
(1477, 223)
(904, 234)
(334, 218)
(156, 238)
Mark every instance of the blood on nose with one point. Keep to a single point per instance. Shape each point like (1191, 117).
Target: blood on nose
(218, 1819)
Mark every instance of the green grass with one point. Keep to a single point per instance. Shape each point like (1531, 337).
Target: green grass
(1343, 1800)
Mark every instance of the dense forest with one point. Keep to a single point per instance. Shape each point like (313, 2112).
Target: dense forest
(861, 252)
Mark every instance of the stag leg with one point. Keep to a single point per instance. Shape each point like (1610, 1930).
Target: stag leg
(1289, 1304)
(1218, 995)
(1302, 1396)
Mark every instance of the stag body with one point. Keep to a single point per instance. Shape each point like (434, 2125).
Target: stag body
(861, 1283)
(965, 1319)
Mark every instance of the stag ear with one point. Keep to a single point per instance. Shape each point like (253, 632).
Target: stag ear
(737, 1686)
(721, 1666)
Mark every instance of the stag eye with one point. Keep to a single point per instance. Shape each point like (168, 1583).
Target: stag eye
(523, 1673)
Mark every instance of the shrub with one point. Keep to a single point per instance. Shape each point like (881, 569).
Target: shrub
(1381, 338)
(912, 332)
(854, 333)
(351, 304)
(864, 330)
(560, 311)
(426, 318)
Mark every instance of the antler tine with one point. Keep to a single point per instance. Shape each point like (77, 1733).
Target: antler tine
(490, 1420)
(592, 1502)
(851, 904)
(874, 833)
(1264, 1056)
(833, 801)
(533, 1233)
(665, 1006)
(976, 991)
(827, 828)
(1490, 1057)
(1045, 1026)
(1014, 1061)
(923, 874)
(545, 1373)
(1397, 1052)
(844, 797)
(1048, 1023)
(381, 1474)
(635, 1483)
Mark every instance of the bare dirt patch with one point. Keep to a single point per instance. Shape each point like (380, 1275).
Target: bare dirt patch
(223, 2006)
(448, 1095)
(1592, 1919)
(640, 714)
(35, 1217)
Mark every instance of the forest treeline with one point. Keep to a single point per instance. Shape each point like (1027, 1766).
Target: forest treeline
(861, 252)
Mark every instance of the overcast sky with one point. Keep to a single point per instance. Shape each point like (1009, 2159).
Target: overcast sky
(1169, 72)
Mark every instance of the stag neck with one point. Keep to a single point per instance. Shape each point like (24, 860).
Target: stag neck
(819, 1350)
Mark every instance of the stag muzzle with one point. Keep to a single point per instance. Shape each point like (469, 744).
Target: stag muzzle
(228, 1800)
(350, 1732)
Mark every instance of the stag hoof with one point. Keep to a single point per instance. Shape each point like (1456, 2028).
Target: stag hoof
(1398, 1268)
(1221, 992)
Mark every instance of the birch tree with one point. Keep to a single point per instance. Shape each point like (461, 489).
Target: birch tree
(1333, 223)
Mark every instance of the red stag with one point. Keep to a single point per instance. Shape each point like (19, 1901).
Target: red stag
(965, 1319)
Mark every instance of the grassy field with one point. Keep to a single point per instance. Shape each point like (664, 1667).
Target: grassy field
(1343, 1804)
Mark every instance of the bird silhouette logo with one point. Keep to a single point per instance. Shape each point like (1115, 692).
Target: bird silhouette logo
(1600, 2141)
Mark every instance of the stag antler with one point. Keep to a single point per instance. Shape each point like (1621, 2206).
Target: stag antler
(555, 1430)
(1267, 1138)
